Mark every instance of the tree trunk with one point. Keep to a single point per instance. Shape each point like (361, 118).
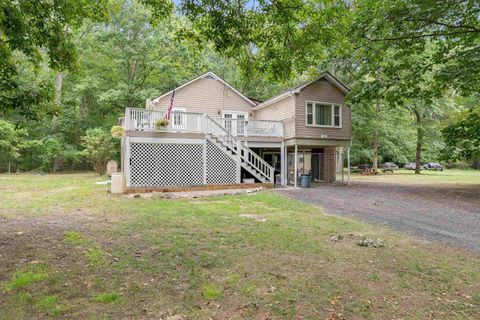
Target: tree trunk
(58, 100)
(58, 87)
(418, 154)
(375, 135)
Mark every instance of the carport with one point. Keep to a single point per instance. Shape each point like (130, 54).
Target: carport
(322, 163)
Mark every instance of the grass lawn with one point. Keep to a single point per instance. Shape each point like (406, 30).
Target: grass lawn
(447, 177)
(70, 250)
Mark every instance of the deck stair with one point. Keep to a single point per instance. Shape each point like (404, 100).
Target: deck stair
(238, 151)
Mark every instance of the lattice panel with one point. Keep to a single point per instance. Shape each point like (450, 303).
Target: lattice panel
(166, 164)
(221, 169)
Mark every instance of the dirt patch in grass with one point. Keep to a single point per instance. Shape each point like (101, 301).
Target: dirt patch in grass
(155, 258)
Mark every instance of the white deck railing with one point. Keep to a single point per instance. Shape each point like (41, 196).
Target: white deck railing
(144, 120)
(256, 128)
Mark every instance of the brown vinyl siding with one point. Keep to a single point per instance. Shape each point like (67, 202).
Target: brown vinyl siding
(283, 110)
(212, 97)
(206, 96)
(321, 91)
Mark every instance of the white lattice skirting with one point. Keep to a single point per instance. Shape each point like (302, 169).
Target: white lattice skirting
(221, 169)
(156, 162)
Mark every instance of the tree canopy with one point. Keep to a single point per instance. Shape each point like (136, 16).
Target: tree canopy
(39, 30)
(411, 65)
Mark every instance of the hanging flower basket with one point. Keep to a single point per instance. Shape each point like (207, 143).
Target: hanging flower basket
(161, 124)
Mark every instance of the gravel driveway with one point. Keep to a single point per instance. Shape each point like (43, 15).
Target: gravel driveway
(447, 213)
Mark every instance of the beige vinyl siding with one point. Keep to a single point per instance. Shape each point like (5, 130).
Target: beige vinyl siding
(205, 96)
(282, 110)
(321, 91)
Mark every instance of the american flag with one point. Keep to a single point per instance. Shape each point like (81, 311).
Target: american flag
(170, 107)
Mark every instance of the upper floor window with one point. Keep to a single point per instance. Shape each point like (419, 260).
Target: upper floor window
(323, 114)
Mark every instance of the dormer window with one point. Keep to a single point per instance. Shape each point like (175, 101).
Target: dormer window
(321, 114)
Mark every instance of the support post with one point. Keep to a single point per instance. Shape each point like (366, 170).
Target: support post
(127, 161)
(239, 160)
(295, 166)
(348, 165)
(122, 154)
(282, 165)
(342, 165)
(204, 155)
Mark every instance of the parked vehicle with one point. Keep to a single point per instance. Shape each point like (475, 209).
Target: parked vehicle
(389, 166)
(411, 166)
(433, 166)
(364, 166)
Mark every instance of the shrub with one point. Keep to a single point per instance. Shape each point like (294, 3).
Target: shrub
(117, 131)
(52, 153)
(99, 148)
(161, 123)
(458, 165)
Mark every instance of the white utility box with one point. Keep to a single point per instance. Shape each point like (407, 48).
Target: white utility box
(118, 183)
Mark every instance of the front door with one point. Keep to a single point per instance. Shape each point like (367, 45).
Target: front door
(235, 122)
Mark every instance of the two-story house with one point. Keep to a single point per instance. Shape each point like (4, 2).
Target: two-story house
(217, 135)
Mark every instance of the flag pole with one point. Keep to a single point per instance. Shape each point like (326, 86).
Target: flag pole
(170, 107)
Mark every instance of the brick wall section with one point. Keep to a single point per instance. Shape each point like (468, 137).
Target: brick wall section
(329, 164)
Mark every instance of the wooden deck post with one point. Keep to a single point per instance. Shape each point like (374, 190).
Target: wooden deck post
(348, 164)
(295, 166)
(239, 161)
(282, 165)
(204, 156)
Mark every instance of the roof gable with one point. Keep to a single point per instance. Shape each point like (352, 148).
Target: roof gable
(325, 76)
(212, 76)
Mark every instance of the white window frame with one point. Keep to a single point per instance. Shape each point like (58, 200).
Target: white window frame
(234, 129)
(236, 113)
(182, 125)
(332, 105)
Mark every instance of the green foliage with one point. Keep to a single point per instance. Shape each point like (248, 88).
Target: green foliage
(108, 297)
(280, 38)
(25, 278)
(11, 139)
(161, 123)
(116, 53)
(73, 237)
(117, 131)
(72, 156)
(49, 304)
(396, 134)
(99, 148)
(409, 27)
(211, 292)
(52, 148)
(462, 138)
(24, 29)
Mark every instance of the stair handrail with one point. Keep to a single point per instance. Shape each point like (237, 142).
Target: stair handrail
(257, 162)
(213, 127)
(246, 154)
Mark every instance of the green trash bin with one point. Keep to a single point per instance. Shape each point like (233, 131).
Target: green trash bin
(305, 181)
